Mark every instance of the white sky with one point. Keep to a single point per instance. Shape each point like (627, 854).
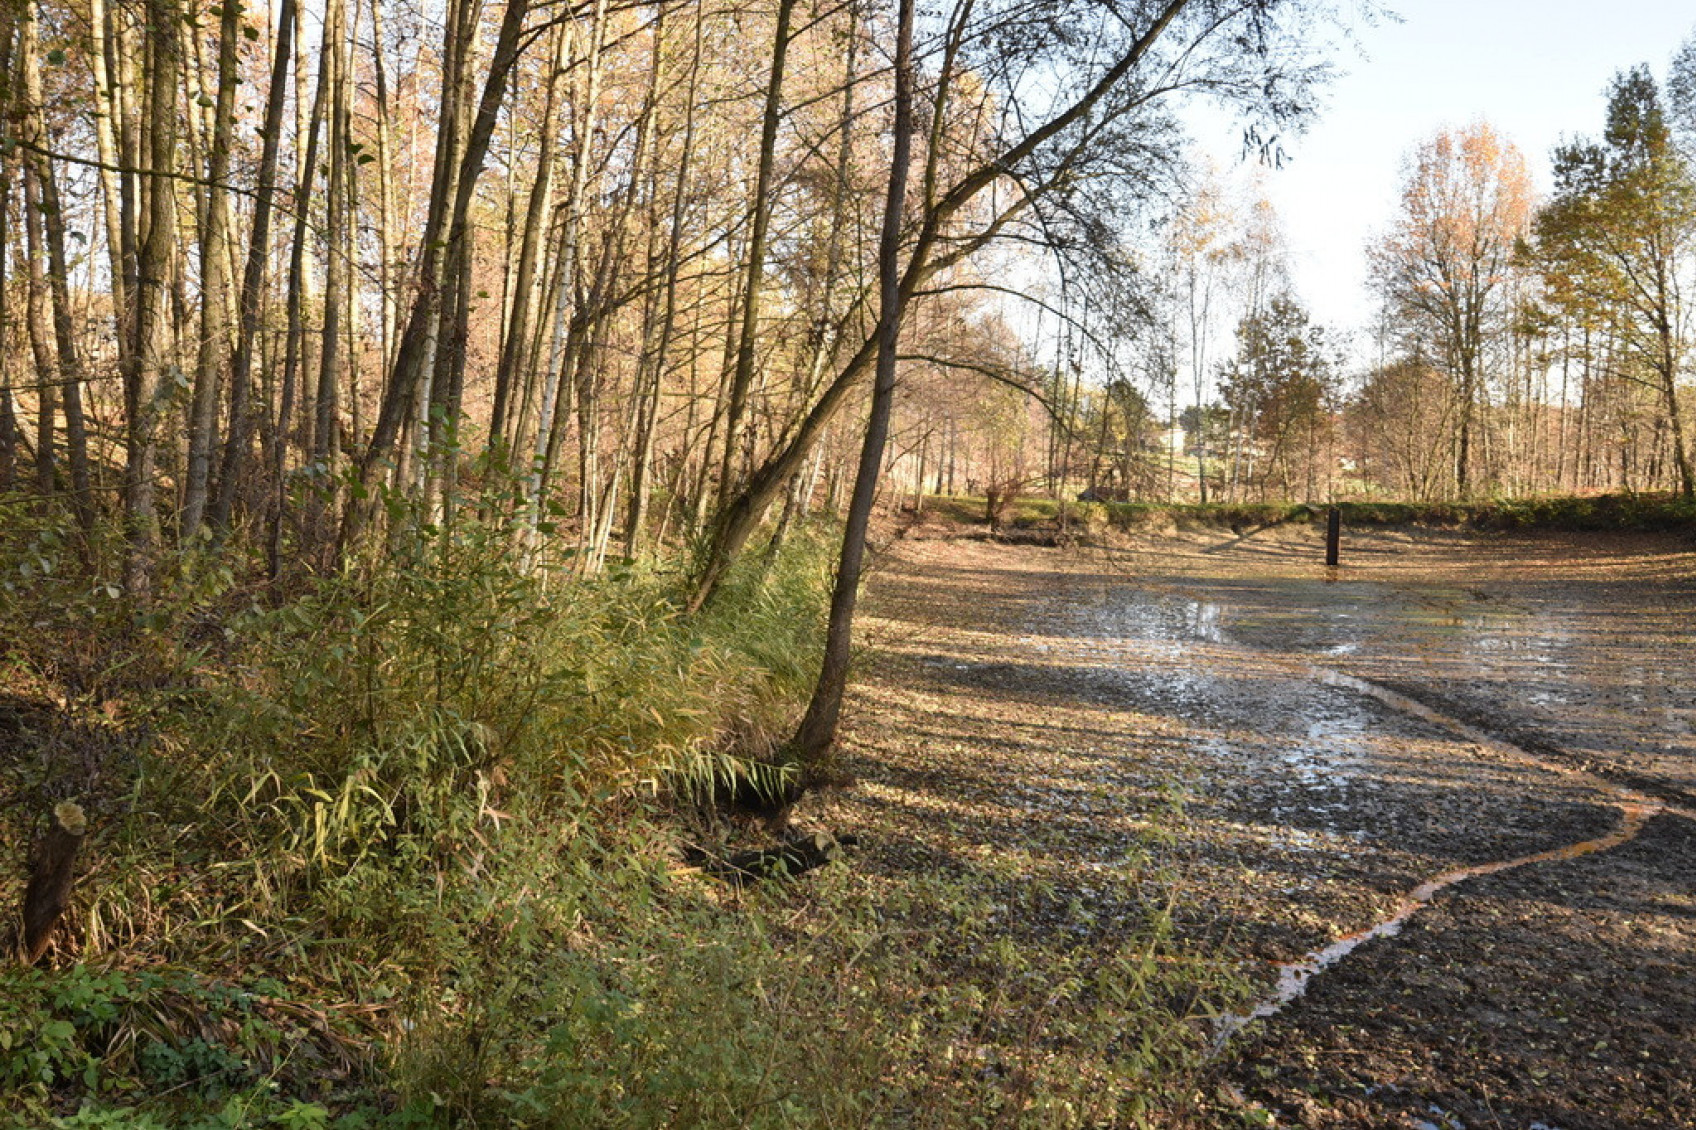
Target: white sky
(1537, 70)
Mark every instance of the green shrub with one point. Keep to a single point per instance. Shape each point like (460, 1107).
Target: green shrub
(391, 852)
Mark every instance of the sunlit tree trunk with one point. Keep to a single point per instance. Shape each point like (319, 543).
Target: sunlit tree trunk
(233, 466)
(40, 342)
(385, 186)
(70, 368)
(333, 79)
(657, 353)
(817, 733)
(8, 410)
(294, 341)
(560, 378)
(147, 368)
(214, 279)
(514, 366)
(106, 149)
(760, 209)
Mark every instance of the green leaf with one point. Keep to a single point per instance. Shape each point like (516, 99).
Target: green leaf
(56, 57)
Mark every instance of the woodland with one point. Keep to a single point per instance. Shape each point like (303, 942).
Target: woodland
(442, 443)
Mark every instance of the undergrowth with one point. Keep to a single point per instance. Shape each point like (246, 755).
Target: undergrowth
(398, 848)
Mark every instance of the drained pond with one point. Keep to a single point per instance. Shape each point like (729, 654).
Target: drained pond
(1440, 801)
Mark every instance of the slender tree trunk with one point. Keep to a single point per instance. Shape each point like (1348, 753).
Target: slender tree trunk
(333, 79)
(236, 437)
(514, 361)
(147, 368)
(385, 186)
(294, 343)
(123, 51)
(49, 219)
(111, 195)
(8, 412)
(747, 339)
(447, 334)
(214, 279)
(568, 323)
(44, 372)
(1675, 419)
(817, 733)
(647, 425)
(1463, 435)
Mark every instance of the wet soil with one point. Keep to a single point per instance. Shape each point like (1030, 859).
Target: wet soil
(1032, 712)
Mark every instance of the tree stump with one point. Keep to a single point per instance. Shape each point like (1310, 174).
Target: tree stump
(51, 869)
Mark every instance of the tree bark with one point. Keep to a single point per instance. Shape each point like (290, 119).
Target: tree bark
(294, 335)
(515, 357)
(145, 374)
(817, 733)
(51, 869)
(237, 434)
(35, 315)
(214, 280)
(655, 358)
(743, 375)
(8, 412)
(106, 148)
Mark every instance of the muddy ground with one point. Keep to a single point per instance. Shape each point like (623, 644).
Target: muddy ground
(1033, 712)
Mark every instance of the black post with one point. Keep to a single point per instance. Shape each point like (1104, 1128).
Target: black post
(1333, 535)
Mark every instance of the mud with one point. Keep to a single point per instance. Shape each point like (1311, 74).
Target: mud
(1561, 991)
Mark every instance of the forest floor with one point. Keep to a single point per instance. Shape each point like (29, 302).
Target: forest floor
(1026, 712)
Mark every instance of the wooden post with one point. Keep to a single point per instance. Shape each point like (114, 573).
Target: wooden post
(50, 872)
(1333, 535)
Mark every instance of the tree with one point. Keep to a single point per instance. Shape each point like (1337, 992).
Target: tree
(1202, 249)
(1443, 267)
(1681, 97)
(1616, 241)
(1282, 381)
(817, 732)
(149, 357)
(1403, 420)
(1105, 119)
(1119, 429)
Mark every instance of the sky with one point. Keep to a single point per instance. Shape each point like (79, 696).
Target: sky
(1537, 70)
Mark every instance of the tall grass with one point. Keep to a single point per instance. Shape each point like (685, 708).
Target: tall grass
(383, 783)
(394, 850)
